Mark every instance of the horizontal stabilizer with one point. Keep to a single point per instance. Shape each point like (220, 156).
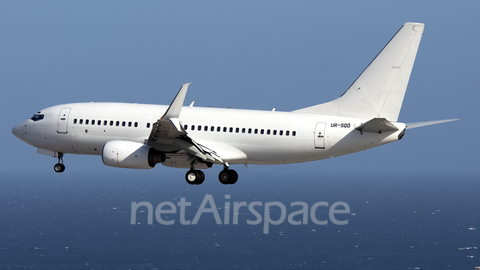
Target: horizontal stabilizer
(377, 125)
(428, 123)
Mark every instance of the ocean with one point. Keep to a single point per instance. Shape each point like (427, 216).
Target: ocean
(85, 221)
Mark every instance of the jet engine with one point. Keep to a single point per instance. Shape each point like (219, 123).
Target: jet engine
(133, 155)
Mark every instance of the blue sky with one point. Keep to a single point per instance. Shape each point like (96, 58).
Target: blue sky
(243, 54)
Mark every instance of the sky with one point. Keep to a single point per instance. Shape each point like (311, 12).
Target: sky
(242, 54)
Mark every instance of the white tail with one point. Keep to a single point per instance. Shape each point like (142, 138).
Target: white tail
(379, 91)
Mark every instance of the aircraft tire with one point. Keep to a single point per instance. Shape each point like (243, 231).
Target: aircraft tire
(233, 177)
(191, 176)
(228, 177)
(59, 167)
(224, 177)
(195, 177)
(201, 177)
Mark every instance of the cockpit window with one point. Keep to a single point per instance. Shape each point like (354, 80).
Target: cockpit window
(37, 117)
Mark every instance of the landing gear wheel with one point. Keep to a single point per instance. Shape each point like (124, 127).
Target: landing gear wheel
(201, 178)
(195, 177)
(59, 167)
(228, 177)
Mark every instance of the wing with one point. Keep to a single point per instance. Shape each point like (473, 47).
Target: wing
(168, 133)
(168, 127)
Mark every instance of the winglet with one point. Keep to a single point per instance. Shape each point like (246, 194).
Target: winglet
(175, 107)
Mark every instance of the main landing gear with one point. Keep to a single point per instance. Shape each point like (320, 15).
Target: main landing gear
(59, 167)
(227, 176)
(196, 177)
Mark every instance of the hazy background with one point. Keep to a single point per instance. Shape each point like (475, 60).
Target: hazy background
(246, 54)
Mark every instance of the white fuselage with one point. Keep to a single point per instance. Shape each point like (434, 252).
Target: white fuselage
(238, 136)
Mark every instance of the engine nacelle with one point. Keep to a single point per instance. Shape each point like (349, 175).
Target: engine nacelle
(133, 155)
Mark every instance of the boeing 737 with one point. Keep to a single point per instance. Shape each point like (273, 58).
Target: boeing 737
(138, 136)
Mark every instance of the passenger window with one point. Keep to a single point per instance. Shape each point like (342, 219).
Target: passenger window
(243, 130)
(99, 122)
(237, 130)
(225, 129)
(199, 128)
(256, 131)
(249, 131)
(111, 123)
(268, 131)
(218, 129)
(148, 125)
(212, 128)
(275, 132)
(193, 127)
(287, 133)
(74, 121)
(93, 122)
(185, 127)
(118, 123)
(231, 129)
(281, 132)
(86, 122)
(129, 124)
(123, 123)
(136, 124)
(294, 133)
(261, 131)
(81, 121)
(105, 122)
(205, 128)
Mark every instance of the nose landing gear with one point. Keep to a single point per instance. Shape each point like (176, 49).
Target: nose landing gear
(59, 167)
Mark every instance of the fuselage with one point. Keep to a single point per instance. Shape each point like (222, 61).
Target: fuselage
(238, 136)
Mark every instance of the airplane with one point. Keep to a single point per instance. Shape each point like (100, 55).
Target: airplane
(139, 136)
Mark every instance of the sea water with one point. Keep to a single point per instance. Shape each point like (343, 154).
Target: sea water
(84, 221)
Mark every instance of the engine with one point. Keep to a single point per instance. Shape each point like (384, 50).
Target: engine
(133, 155)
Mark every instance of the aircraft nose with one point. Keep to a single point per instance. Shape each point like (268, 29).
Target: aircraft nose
(18, 130)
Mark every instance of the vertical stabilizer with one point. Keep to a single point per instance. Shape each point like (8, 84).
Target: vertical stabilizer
(379, 91)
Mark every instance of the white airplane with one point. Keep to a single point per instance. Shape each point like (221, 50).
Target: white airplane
(139, 136)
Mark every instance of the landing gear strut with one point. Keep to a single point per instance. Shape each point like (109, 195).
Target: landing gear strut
(227, 176)
(59, 167)
(194, 177)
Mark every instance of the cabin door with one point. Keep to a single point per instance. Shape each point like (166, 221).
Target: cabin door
(63, 121)
(320, 136)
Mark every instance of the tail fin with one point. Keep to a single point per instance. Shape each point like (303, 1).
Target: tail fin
(379, 91)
